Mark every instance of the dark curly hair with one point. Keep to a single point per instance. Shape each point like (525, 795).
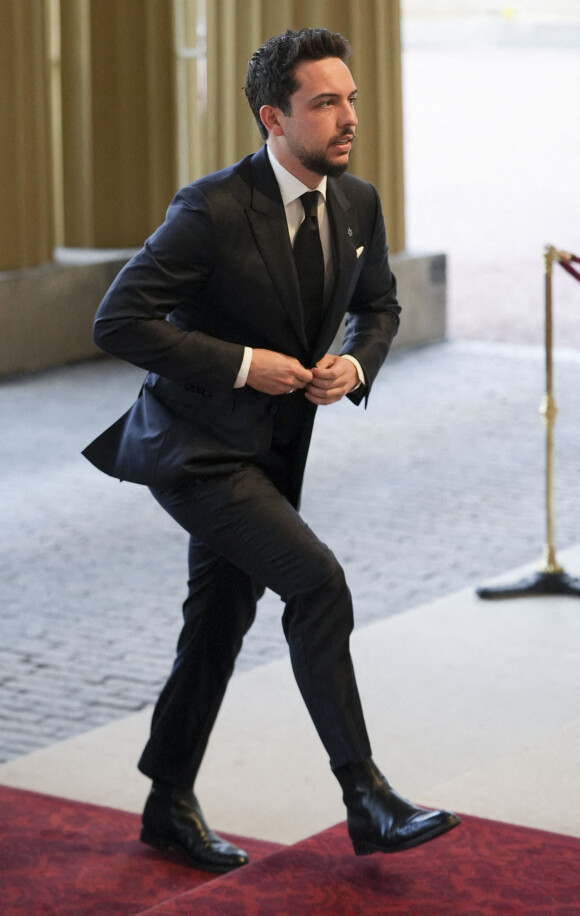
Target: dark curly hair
(270, 79)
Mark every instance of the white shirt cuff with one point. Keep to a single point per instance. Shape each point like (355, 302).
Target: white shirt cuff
(244, 368)
(358, 367)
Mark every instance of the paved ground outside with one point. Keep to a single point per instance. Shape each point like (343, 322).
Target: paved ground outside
(437, 486)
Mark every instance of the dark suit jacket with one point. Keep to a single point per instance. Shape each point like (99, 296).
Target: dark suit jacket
(219, 275)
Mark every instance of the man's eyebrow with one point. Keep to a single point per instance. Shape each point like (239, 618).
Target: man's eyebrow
(332, 95)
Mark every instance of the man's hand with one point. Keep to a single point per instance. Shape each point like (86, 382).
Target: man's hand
(274, 373)
(332, 378)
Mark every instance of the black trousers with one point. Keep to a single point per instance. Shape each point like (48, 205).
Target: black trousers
(245, 536)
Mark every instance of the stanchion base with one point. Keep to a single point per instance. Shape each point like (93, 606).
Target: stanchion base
(538, 584)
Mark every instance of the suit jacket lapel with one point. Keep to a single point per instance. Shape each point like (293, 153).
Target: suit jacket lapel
(268, 221)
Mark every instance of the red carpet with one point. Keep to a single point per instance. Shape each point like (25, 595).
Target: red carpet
(64, 858)
(59, 857)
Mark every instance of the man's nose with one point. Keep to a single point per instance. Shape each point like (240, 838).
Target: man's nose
(348, 115)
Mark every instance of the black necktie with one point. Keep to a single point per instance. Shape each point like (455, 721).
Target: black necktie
(309, 261)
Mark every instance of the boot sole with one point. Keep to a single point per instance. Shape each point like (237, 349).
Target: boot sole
(365, 848)
(158, 841)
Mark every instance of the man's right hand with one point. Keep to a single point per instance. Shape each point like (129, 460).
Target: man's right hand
(274, 373)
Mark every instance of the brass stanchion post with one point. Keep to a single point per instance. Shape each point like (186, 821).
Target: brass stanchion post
(550, 578)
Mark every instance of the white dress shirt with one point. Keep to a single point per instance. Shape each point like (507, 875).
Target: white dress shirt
(291, 189)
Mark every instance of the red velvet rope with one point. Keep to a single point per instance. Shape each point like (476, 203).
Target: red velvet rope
(567, 266)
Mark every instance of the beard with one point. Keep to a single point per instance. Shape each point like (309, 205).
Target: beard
(318, 161)
(320, 165)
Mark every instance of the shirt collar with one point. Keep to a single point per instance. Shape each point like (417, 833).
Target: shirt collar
(291, 188)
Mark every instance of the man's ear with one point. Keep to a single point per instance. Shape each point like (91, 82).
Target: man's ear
(270, 117)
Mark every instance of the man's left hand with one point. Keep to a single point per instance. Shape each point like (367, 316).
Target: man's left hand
(333, 377)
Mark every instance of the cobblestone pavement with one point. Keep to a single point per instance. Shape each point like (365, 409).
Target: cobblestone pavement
(437, 486)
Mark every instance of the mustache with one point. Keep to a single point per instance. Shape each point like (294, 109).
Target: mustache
(349, 133)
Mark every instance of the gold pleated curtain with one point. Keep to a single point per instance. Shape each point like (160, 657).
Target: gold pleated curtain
(26, 189)
(101, 121)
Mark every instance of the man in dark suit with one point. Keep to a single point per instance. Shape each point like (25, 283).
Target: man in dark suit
(232, 306)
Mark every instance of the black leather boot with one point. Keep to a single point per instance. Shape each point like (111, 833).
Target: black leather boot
(173, 819)
(378, 819)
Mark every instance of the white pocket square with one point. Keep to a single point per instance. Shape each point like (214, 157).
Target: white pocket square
(359, 251)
